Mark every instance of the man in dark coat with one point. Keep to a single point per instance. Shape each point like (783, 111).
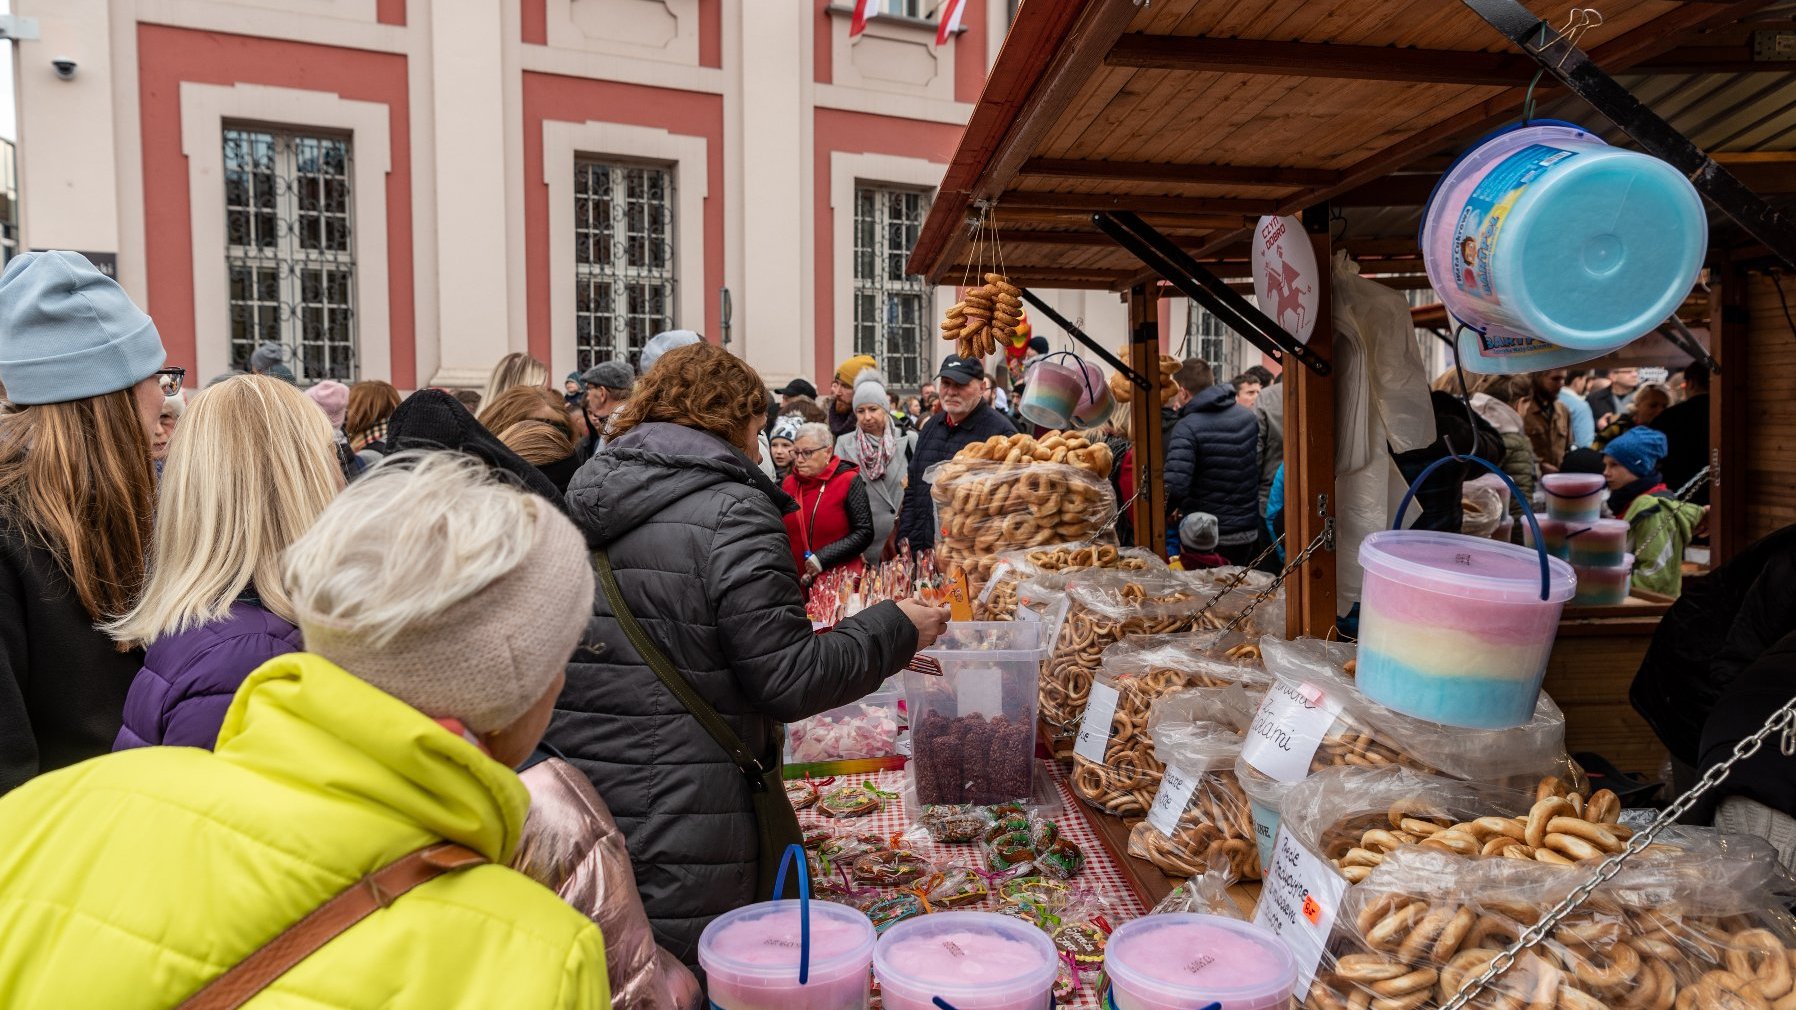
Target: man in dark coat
(1686, 428)
(693, 530)
(1212, 462)
(965, 419)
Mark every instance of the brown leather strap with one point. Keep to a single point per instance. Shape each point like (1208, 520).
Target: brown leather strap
(299, 941)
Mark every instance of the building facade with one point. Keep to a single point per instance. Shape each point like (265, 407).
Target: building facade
(407, 189)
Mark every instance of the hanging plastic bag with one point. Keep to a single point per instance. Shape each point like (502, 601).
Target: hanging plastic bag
(998, 600)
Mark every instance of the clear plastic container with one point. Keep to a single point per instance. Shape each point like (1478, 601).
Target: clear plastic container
(1600, 543)
(750, 956)
(1604, 586)
(1573, 497)
(1546, 231)
(1552, 533)
(1453, 629)
(1186, 960)
(973, 727)
(862, 729)
(972, 960)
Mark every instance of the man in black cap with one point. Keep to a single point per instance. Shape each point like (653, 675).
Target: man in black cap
(608, 385)
(965, 419)
(797, 389)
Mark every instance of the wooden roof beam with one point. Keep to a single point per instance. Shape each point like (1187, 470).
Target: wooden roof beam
(1009, 216)
(1200, 54)
(1271, 176)
(1140, 204)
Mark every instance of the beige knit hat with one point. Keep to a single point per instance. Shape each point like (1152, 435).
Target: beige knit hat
(485, 658)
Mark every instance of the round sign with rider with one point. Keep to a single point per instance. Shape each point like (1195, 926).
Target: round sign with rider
(1284, 275)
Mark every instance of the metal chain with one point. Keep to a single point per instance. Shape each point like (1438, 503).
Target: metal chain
(1695, 484)
(1322, 538)
(1782, 721)
(1237, 578)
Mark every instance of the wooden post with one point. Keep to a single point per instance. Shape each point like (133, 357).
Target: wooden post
(1144, 418)
(1728, 344)
(1310, 457)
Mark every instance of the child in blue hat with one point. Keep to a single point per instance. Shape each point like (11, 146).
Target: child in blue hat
(1659, 526)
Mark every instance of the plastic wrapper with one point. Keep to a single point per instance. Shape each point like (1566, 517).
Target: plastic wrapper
(1314, 717)
(1103, 608)
(985, 508)
(1136, 674)
(1206, 893)
(864, 729)
(1200, 817)
(1698, 924)
(998, 600)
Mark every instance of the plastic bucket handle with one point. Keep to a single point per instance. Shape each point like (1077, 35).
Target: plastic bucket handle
(1540, 546)
(795, 853)
(1110, 1000)
(1084, 380)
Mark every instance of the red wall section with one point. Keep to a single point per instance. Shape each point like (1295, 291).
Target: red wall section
(821, 68)
(168, 56)
(859, 133)
(710, 33)
(534, 22)
(390, 12)
(969, 53)
(570, 99)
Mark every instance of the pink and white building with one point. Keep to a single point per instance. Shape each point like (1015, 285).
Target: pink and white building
(407, 189)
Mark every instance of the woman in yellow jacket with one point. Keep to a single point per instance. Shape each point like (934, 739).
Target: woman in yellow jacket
(439, 609)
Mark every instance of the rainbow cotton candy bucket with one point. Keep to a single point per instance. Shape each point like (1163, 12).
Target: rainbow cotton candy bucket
(1453, 628)
(1573, 497)
(1545, 231)
(1052, 394)
(1095, 399)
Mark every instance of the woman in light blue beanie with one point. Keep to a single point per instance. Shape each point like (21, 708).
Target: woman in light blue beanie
(83, 371)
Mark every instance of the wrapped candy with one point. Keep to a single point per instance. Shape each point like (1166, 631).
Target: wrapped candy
(844, 734)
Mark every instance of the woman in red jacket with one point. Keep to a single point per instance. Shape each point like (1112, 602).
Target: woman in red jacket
(833, 524)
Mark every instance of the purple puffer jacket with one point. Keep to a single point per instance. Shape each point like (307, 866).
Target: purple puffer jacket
(180, 696)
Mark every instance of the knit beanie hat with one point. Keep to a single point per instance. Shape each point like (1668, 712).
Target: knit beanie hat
(433, 419)
(1582, 461)
(870, 388)
(332, 397)
(786, 427)
(69, 332)
(663, 342)
(1198, 531)
(1640, 449)
(847, 370)
(489, 657)
(266, 356)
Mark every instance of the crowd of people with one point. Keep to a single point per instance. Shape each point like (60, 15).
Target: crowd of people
(260, 643)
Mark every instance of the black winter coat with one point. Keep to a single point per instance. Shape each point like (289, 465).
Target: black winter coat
(1212, 461)
(1762, 687)
(938, 441)
(62, 682)
(695, 535)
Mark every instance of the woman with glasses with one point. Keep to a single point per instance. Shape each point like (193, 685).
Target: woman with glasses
(213, 608)
(83, 369)
(833, 523)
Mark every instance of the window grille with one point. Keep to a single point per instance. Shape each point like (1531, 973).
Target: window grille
(623, 258)
(891, 308)
(289, 248)
(1207, 337)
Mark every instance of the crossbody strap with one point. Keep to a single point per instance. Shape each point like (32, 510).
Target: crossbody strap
(299, 941)
(720, 731)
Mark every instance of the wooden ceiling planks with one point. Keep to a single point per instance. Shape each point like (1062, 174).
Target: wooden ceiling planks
(1354, 130)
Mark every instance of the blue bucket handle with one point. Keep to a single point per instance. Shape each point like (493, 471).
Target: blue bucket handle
(1109, 1002)
(795, 853)
(1540, 545)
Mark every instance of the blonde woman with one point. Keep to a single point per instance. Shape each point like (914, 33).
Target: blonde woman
(254, 466)
(515, 369)
(545, 445)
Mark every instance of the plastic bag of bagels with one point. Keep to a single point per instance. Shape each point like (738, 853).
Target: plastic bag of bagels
(984, 509)
(1102, 608)
(1696, 924)
(998, 600)
(1114, 766)
(1314, 717)
(1199, 817)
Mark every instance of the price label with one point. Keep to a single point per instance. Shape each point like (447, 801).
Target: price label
(1094, 732)
(1176, 787)
(1299, 899)
(1288, 728)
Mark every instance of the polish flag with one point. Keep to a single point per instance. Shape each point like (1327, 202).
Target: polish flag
(863, 9)
(951, 12)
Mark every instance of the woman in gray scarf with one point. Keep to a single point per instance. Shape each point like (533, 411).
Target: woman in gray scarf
(883, 455)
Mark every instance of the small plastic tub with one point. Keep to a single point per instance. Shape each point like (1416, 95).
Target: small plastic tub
(1547, 231)
(1453, 628)
(1602, 543)
(1095, 399)
(1604, 586)
(1184, 960)
(1552, 533)
(1052, 394)
(1574, 497)
(750, 956)
(972, 960)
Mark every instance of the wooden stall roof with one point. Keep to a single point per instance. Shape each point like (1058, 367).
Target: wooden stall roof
(1202, 115)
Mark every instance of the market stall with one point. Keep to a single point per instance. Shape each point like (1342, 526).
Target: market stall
(1403, 815)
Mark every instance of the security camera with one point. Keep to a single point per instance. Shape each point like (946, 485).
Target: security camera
(65, 67)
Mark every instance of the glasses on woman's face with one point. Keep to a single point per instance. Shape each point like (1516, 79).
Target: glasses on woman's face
(806, 453)
(170, 379)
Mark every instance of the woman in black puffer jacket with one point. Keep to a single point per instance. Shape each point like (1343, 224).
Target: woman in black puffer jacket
(694, 532)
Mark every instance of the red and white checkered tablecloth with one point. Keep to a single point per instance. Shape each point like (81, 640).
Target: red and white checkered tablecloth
(1100, 874)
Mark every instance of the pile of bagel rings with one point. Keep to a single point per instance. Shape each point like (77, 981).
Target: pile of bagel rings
(1017, 492)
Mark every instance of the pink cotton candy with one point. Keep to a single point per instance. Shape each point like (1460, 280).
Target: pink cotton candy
(1178, 962)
